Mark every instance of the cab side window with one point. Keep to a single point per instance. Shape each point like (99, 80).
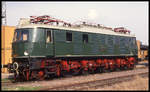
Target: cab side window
(15, 37)
(24, 35)
(48, 37)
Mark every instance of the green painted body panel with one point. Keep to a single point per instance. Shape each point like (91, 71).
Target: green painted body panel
(39, 47)
(98, 44)
(86, 49)
(77, 43)
(95, 44)
(19, 48)
(61, 46)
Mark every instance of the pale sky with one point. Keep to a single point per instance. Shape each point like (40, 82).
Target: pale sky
(131, 15)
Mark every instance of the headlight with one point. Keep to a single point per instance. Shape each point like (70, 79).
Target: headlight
(26, 53)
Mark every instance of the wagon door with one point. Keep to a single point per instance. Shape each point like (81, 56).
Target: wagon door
(49, 43)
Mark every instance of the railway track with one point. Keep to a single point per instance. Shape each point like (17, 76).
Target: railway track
(97, 83)
(12, 83)
(81, 85)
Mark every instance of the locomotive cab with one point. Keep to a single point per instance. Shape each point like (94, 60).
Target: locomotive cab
(20, 41)
(30, 42)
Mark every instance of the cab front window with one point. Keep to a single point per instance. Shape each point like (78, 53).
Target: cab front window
(24, 35)
(21, 35)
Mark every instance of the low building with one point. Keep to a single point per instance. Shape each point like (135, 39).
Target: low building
(7, 34)
(142, 50)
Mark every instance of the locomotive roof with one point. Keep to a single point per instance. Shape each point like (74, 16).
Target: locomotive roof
(82, 28)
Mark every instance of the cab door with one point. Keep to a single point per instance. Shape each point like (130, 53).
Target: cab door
(49, 43)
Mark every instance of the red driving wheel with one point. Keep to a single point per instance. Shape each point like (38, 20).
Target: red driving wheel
(41, 75)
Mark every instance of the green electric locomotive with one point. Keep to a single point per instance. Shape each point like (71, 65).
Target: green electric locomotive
(40, 50)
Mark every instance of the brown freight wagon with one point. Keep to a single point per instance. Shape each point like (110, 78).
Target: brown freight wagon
(7, 33)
